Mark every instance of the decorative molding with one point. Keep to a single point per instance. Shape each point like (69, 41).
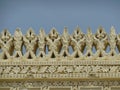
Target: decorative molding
(55, 46)
(44, 60)
(59, 71)
(74, 85)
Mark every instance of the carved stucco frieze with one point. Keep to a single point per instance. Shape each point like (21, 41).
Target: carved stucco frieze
(59, 71)
(45, 60)
(74, 85)
(53, 45)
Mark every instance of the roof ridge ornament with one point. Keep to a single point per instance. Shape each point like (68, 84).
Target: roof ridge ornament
(54, 45)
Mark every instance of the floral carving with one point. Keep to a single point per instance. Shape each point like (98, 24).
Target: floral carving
(53, 45)
(55, 64)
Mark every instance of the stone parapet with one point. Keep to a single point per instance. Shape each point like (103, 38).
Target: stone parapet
(46, 61)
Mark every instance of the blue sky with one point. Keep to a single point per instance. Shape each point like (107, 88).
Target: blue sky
(59, 13)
